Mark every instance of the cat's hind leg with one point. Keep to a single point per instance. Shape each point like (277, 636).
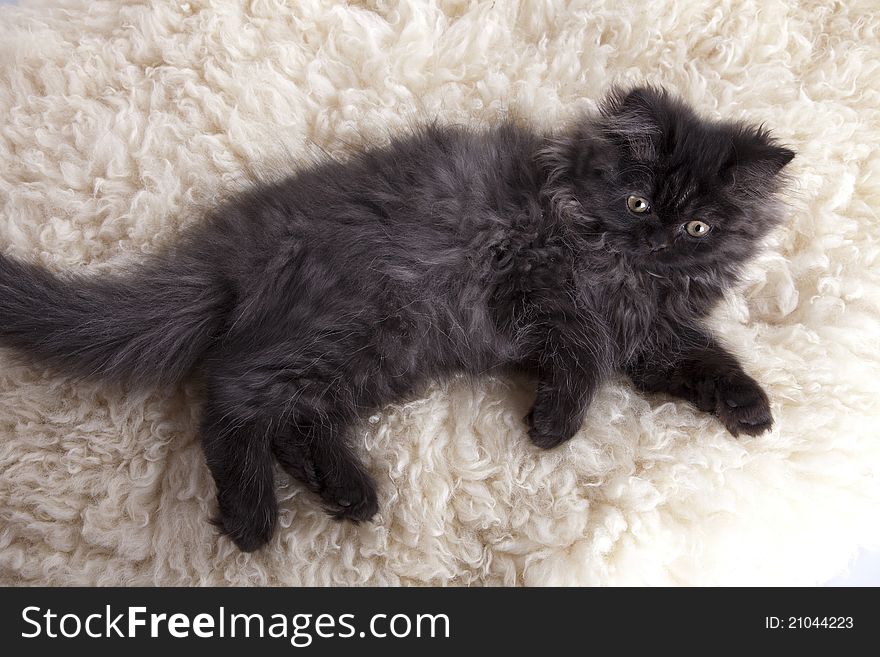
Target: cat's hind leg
(264, 407)
(238, 451)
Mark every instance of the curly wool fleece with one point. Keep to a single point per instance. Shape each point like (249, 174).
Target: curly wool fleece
(118, 122)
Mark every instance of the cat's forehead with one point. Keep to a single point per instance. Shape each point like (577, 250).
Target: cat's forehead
(679, 192)
(690, 148)
(678, 185)
(685, 192)
(681, 167)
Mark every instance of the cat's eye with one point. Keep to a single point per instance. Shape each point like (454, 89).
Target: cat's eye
(697, 228)
(637, 204)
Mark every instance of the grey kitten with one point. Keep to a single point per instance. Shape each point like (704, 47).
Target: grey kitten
(309, 303)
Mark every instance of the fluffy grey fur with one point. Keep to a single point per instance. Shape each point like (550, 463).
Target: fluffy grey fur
(308, 303)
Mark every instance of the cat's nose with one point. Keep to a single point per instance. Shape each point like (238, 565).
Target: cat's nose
(656, 240)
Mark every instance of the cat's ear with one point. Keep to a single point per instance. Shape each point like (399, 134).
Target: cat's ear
(637, 119)
(754, 158)
(638, 103)
(593, 159)
(578, 158)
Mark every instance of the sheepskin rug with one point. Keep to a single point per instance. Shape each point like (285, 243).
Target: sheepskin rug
(120, 123)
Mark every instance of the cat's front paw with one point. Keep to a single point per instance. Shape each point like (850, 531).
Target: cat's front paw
(743, 406)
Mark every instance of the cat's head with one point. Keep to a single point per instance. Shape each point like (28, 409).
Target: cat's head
(664, 187)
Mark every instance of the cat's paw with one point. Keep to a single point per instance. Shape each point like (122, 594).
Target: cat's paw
(249, 528)
(351, 496)
(743, 406)
(544, 432)
(347, 492)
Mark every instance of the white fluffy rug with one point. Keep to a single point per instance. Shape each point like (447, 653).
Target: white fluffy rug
(118, 122)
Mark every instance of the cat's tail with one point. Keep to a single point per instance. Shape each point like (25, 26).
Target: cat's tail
(145, 327)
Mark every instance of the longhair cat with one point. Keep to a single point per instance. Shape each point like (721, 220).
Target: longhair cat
(308, 303)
